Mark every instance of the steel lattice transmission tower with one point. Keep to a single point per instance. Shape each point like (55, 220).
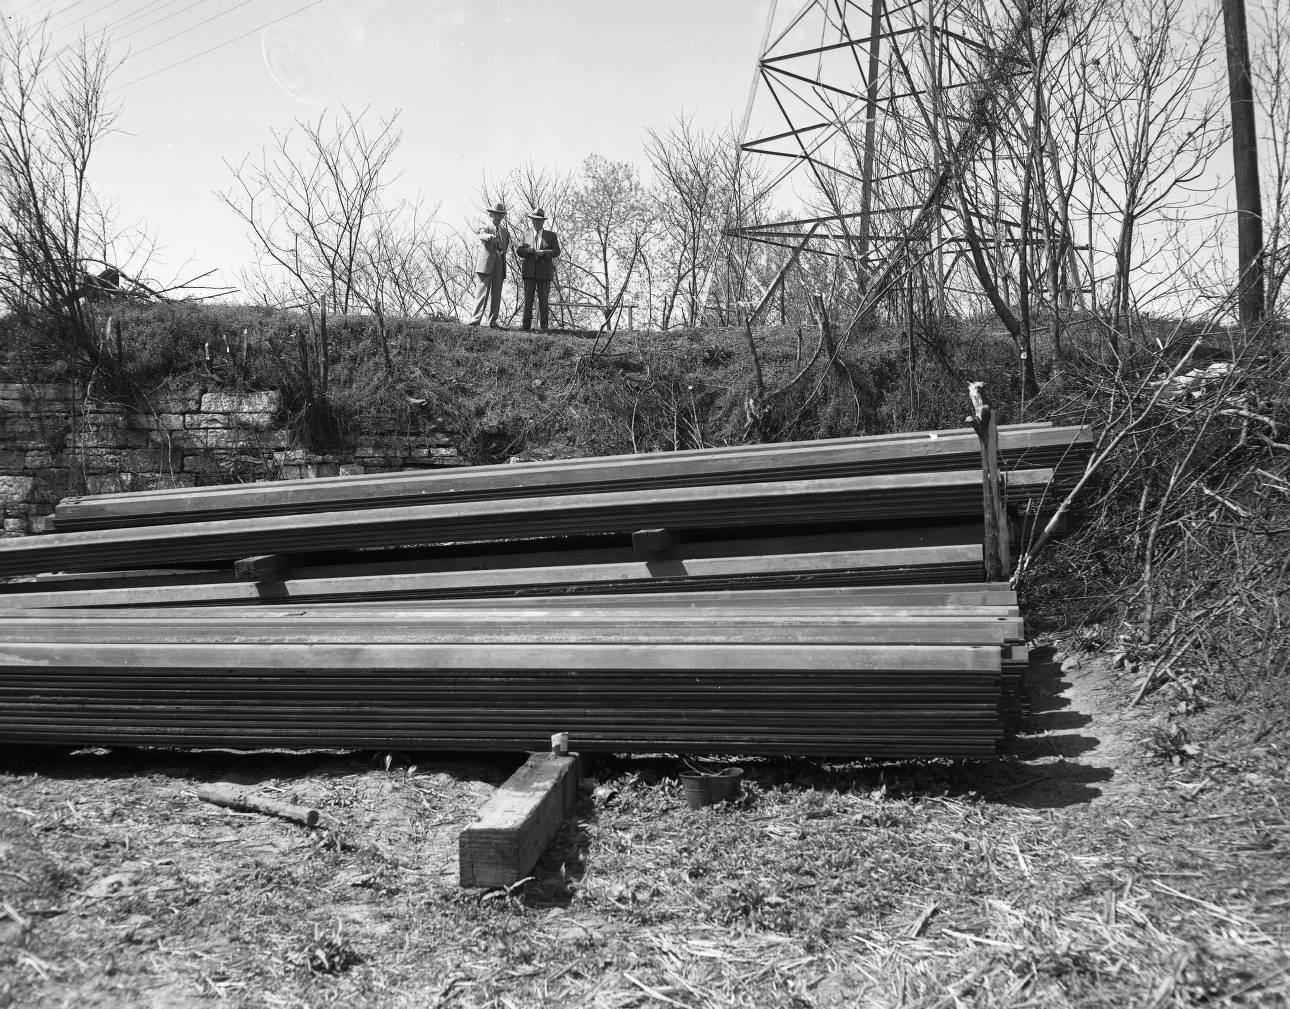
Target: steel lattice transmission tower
(863, 112)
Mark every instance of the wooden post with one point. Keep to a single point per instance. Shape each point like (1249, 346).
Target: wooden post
(261, 568)
(651, 542)
(998, 564)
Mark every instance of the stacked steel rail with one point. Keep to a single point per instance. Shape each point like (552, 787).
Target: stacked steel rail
(1021, 446)
(817, 598)
(727, 678)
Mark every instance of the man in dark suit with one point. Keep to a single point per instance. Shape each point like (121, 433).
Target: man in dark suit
(490, 266)
(537, 268)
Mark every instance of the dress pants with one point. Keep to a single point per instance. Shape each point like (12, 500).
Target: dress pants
(543, 290)
(488, 294)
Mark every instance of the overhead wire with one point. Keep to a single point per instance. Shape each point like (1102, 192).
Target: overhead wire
(59, 13)
(237, 38)
(161, 20)
(29, 12)
(193, 27)
(145, 10)
(83, 17)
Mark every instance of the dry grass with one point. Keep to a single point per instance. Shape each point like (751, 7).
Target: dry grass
(1072, 873)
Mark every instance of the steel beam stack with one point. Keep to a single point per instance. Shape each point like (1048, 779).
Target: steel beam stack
(815, 598)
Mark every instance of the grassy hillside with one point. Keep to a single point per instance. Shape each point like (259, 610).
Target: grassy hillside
(506, 392)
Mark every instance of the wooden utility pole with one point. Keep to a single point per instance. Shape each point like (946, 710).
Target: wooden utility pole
(1249, 205)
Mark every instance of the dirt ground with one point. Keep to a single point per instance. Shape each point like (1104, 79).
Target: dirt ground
(1090, 866)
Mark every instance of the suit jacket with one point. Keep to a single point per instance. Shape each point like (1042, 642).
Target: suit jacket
(492, 249)
(535, 266)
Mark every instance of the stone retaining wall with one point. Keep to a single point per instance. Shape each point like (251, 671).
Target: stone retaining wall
(55, 443)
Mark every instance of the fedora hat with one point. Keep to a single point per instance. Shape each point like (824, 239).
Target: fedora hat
(500, 208)
(538, 215)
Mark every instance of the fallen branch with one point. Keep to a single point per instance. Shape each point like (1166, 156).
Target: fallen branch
(244, 799)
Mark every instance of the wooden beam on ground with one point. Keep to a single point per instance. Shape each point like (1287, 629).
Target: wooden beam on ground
(514, 827)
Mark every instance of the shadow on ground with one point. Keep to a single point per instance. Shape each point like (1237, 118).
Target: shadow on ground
(240, 767)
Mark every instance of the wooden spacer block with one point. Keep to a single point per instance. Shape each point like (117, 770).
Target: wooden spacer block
(651, 541)
(514, 827)
(261, 568)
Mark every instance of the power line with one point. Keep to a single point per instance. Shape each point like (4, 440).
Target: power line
(236, 38)
(28, 13)
(85, 17)
(185, 31)
(150, 7)
(153, 24)
(64, 10)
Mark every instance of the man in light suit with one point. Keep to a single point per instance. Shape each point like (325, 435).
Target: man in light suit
(537, 268)
(490, 266)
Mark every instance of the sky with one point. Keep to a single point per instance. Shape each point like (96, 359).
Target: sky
(481, 85)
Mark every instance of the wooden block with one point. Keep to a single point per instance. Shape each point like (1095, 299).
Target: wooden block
(514, 827)
(651, 541)
(262, 568)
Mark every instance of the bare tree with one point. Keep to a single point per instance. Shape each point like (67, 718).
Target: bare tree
(54, 232)
(690, 207)
(1270, 70)
(609, 225)
(1164, 125)
(313, 203)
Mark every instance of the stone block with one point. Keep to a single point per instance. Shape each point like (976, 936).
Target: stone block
(15, 526)
(38, 393)
(181, 401)
(41, 523)
(162, 422)
(109, 483)
(290, 457)
(201, 464)
(241, 402)
(16, 488)
(216, 438)
(164, 481)
(108, 414)
(144, 460)
(443, 453)
(325, 469)
(255, 421)
(105, 437)
(98, 460)
(20, 424)
(12, 460)
(351, 469)
(205, 421)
